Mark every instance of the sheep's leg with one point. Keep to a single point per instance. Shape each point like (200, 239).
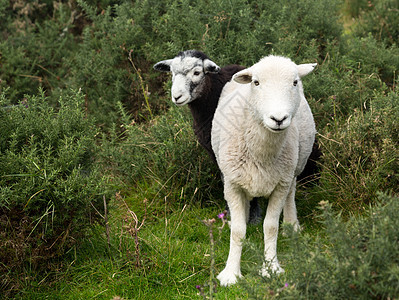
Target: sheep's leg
(290, 214)
(270, 228)
(238, 206)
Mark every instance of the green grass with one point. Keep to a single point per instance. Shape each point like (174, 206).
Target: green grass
(174, 253)
(174, 257)
(158, 181)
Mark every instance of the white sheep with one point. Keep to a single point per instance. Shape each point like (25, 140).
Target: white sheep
(262, 135)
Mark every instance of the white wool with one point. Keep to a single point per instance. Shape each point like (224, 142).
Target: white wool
(262, 135)
(185, 72)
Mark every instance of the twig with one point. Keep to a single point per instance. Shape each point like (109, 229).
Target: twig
(144, 88)
(106, 223)
(331, 140)
(212, 284)
(135, 230)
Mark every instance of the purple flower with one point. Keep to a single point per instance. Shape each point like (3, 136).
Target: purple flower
(198, 287)
(286, 285)
(221, 215)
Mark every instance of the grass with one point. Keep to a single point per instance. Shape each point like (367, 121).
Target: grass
(174, 257)
(157, 245)
(171, 256)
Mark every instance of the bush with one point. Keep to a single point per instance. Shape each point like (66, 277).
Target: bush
(162, 159)
(361, 155)
(354, 259)
(101, 67)
(80, 45)
(37, 39)
(49, 181)
(374, 58)
(242, 32)
(380, 19)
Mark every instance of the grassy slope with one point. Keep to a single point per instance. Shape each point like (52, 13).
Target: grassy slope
(174, 258)
(174, 253)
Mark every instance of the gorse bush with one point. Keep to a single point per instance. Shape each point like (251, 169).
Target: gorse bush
(163, 158)
(81, 45)
(101, 67)
(242, 31)
(33, 53)
(380, 19)
(361, 154)
(49, 182)
(58, 147)
(353, 259)
(372, 57)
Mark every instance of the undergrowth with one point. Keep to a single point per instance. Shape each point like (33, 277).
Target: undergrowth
(102, 125)
(50, 185)
(346, 259)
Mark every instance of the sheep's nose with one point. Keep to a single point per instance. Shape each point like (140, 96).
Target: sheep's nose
(177, 98)
(279, 121)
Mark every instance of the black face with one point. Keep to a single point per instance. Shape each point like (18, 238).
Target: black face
(192, 53)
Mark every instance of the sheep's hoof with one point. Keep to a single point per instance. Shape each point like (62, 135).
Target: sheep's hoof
(295, 228)
(227, 277)
(271, 270)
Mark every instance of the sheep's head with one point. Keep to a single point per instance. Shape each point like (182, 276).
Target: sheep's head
(189, 70)
(276, 90)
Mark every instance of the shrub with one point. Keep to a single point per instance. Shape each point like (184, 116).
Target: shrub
(242, 32)
(374, 58)
(381, 20)
(49, 181)
(101, 66)
(162, 158)
(345, 82)
(80, 45)
(230, 32)
(354, 259)
(361, 155)
(37, 39)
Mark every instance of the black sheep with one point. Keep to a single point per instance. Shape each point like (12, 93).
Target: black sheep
(198, 82)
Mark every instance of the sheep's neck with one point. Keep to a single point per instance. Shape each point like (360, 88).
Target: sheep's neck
(203, 110)
(263, 144)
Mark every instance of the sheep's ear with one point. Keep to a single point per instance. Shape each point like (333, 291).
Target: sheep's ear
(244, 76)
(210, 66)
(305, 69)
(163, 66)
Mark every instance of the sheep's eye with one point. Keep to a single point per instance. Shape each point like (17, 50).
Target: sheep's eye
(256, 82)
(196, 73)
(295, 82)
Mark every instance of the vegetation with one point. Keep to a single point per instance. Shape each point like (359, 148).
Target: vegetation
(104, 191)
(342, 261)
